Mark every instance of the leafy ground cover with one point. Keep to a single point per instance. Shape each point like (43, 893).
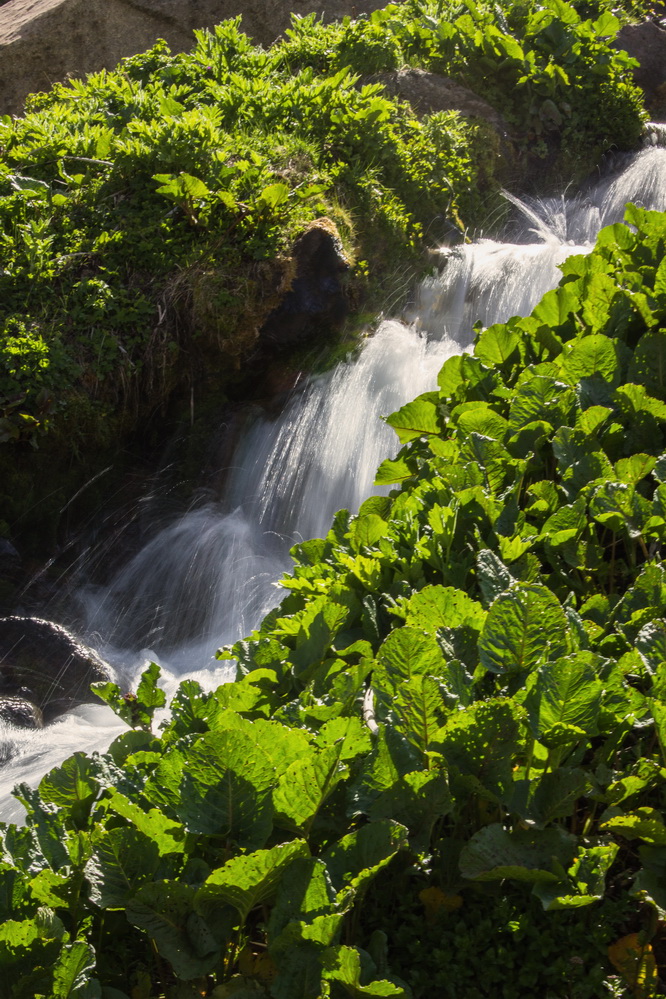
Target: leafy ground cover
(441, 767)
(147, 214)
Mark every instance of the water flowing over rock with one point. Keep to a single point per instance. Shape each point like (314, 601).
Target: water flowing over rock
(45, 41)
(46, 665)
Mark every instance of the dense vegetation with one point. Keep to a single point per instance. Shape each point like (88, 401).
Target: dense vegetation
(147, 214)
(441, 767)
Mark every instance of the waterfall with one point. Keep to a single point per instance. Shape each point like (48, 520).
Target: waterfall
(208, 577)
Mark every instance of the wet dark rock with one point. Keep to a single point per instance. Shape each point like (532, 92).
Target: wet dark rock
(10, 574)
(315, 303)
(20, 712)
(48, 665)
(646, 42)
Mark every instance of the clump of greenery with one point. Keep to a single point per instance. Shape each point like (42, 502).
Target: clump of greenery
(452, 728)
(539, 65)
(118, 195)
(123, 196)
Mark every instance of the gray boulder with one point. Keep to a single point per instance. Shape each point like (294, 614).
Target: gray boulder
(646, 42)
(45, 41)
(21, 713)
(44, 664)
(428, 93)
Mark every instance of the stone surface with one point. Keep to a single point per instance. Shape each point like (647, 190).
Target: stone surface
(647, 43)
(21, 713)
(315, 303)
(428, 93)
(44, 41)
(46, 665)
(10, 572)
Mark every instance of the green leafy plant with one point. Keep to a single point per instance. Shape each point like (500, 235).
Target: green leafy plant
(451, 728)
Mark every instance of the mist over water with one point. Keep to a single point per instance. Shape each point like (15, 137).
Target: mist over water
(208, 578)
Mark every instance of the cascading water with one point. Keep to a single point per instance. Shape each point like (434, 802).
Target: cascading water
(208, 577)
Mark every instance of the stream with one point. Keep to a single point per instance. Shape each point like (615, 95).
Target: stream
(208, 577)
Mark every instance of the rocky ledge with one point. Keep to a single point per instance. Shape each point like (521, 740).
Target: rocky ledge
(44, 671)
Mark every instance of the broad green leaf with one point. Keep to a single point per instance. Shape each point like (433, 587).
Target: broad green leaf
(650, 882)
(634, 399)
(494, 853)
(597, 308)
(651, 646)
(593, 354)
(480, 418)
(221, 786)
(349, 735)
(123, 859)
(632, 470)
(405, 653)
(305, 786)
(436, 607)
(480, 745)
(565, 698)
(165, 910)
(497, 345)
(366, 531)
(466, 376)
(648, 366)
(383, 769)
(416, 800)
(545, 797)
(71, 783)
(419, 418)
(493, 575)
(354, 860)
(395, 470)
(171, 107)
(540, 398)
(299, 973)
(644, 601)
(580, 460)
(148, 694)
(619, 507)
(525, 626)
(14, 887)
(304, 892)
(322, 931)
(586, 879)
(419, 710)
(314, 640)
(487, 456)
(29, 186)
(250, 880)
(645, 823)
(343, 964)
(71, 971)
(54, 890)
(274, 195)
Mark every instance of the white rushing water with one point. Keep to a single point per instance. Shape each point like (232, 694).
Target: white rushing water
(208, 577)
